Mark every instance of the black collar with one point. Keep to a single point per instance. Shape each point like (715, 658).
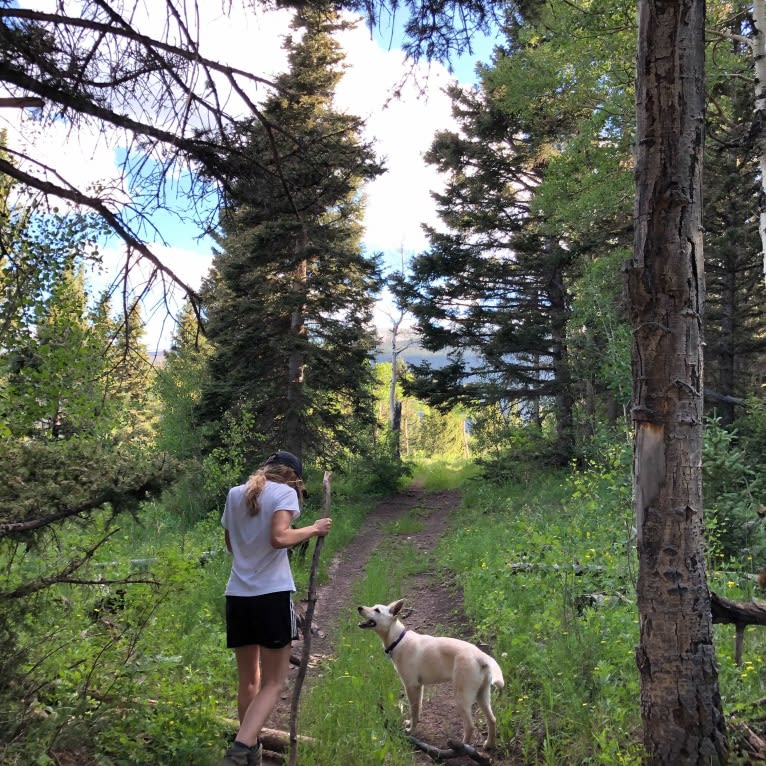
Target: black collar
(396, 643)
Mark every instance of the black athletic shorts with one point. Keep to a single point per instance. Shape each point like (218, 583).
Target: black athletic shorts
(267, 620)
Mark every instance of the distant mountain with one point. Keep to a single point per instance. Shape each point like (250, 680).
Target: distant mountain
(413, 354)
(416, 354)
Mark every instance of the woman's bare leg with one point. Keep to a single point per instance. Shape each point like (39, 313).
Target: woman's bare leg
(249, 672)
(275, 664)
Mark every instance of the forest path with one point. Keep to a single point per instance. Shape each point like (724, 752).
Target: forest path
(437, 608)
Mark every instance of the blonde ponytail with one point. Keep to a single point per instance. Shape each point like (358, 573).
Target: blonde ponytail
(271, 472)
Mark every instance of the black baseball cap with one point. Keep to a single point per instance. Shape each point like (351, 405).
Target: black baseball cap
(283, 457)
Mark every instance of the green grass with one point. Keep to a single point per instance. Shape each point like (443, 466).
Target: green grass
(439, 474)
(409, 524)
(159, 686)
(526, 555)
(352, 709)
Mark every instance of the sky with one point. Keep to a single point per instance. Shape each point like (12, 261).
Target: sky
(398, 202)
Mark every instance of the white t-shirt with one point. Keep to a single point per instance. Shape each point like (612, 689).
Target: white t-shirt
(256, 566)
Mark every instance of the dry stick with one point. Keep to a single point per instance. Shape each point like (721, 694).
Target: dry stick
(740, 614)
(471, 752)
(307, 620)
(456, 750)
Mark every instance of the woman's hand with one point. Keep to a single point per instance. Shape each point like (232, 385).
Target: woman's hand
(322, 526)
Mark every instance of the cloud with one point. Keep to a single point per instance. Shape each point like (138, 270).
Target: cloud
(247, 37)
(403, 105)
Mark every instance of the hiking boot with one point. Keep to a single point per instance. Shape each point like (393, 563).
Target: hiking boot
(238, 755)
(255, 757)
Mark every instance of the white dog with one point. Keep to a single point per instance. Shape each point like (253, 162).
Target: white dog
(421, 660)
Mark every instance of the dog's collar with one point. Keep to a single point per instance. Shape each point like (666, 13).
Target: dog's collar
(393, 646)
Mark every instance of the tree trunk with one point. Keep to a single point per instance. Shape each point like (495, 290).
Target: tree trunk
(293, 429)
(680, 701)
(395, 406)
(396, 429)
(564, 398)
(725, 352)
(392, 387)
(759, 117)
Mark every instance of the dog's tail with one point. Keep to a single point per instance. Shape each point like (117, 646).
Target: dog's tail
(495, 673)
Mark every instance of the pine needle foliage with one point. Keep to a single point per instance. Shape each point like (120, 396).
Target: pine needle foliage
(290, 301)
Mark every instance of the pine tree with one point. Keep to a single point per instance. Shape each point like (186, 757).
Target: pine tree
(54, 372)
(178, 384)
(735, 323)
(129, 376)
(523, 212)
(290, 300)
(54, 346)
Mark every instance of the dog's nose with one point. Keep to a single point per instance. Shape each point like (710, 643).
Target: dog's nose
(359, 609)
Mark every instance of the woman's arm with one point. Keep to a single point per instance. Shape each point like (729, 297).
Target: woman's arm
(284, 536)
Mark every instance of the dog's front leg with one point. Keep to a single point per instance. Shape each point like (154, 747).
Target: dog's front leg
(415, 698)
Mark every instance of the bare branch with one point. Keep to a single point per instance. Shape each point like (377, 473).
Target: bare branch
(23, 102)
(45, 582)
(138, 492)
(124, 30)
(98, 206)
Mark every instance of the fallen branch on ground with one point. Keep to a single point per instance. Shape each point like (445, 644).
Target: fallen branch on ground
(455, 750)
(279, 741)
(737, 613)
(471, 752)
(575, 567)
(276, 740)
(747, 741)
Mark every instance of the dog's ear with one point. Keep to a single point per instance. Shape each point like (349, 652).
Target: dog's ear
(396, 606)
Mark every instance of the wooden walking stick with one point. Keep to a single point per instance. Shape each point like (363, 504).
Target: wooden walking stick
(311, 602)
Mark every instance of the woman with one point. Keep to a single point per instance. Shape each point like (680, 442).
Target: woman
(260, 622)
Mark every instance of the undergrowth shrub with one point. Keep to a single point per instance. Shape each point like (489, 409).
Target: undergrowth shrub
(736, 540)
(507, 446)
(131, 663)
(751, 426)
(547, 568)
(734, 491)
(377, 472)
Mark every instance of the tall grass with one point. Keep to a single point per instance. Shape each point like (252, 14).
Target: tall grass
(547, 571)
(353, 709)
(436, 474)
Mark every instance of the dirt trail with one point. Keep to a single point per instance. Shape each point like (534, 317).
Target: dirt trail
(438, 609)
